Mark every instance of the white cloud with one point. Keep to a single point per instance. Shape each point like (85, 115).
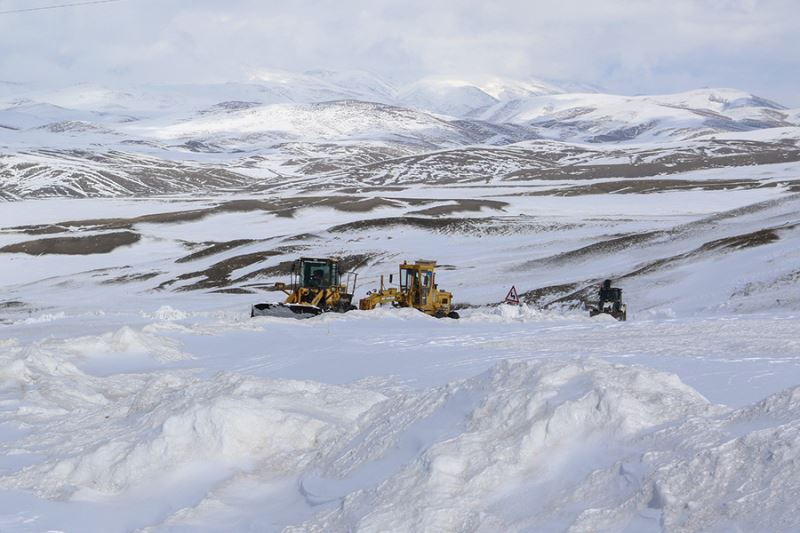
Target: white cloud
(628, 46)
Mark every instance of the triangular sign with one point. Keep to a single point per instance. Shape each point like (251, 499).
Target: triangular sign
(512, 297)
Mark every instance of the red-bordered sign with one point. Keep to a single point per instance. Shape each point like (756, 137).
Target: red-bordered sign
(512, 297)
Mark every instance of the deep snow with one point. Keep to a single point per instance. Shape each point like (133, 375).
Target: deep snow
(136, 394)
(509, 419)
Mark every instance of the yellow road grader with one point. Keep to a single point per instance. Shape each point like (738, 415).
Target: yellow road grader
(316, 287)
(417, 288)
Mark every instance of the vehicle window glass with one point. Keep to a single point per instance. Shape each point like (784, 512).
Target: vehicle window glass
(316, 275)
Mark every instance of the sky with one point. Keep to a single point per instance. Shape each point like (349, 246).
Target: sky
(622, 46)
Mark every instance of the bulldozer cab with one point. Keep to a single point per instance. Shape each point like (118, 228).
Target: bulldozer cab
(316, 287)
(318, 273)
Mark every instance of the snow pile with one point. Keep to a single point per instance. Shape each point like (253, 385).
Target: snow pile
(45, 318)
(49, 378)
(737, 472)
(520, 423)
(527, 313)
(173, 420)
(505, 313)
(518, 312)
(47, 384)
(567, 444)
(167, 313)
(126, 340)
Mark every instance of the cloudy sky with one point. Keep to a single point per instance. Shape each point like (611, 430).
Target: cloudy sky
(624, 46)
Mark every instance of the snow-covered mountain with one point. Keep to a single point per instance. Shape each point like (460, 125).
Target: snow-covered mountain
(609, 118)
(325, 85)
(322, 124)
(446, 97)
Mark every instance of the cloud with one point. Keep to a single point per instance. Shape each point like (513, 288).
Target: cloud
(628, 46)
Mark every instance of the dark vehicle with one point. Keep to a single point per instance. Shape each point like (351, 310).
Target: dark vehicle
(610, 302)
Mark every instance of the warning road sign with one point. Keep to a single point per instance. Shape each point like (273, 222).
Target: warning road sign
(512, 297)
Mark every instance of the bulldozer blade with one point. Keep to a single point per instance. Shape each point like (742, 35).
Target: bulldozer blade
(620, 315)
(281, 310)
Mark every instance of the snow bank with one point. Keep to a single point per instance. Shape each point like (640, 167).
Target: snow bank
(519, 313)
(521, 423)
(177, 420)
(50, 382)
(577, 446)
(167, 313)
(736, 472)
(567, 444)
(126, 340)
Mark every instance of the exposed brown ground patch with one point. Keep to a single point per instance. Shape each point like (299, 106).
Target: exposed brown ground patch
(583, 293)
(747, 240)
(370, 189)
(11, 308)
(755, 153)
(89, 244)
(213, 249)
(13, 304)
(303, 237)
(609, 246)
(347, 263)
(435, 224)
(542, 296)
(726, 244)
(282, 269)
(636, 186)
(233, 290)
(218, 274)
(482, 226)
(131, 278)
(461, 206)
(283, 207)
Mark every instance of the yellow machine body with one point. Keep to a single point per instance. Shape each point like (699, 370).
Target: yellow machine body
(316, 287)
(417, 288)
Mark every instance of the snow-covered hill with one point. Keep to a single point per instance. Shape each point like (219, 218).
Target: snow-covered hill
(610, 118)
(320, 126)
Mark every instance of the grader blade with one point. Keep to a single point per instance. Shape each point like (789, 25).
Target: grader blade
(282, 310)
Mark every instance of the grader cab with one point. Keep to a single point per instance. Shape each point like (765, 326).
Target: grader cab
(416, 288)
(315, 287)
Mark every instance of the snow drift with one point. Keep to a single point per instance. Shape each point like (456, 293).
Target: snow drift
(567, 444)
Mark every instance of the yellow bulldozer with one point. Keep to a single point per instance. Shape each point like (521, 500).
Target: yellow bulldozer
(315, 287)
(417, 289)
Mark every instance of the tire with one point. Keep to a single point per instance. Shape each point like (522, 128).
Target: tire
(453, 315)
(439, 314)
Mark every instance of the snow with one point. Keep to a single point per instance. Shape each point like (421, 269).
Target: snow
(310, 122)
(510, 419)
(445, 96)
(638, 117)
(132, 401)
